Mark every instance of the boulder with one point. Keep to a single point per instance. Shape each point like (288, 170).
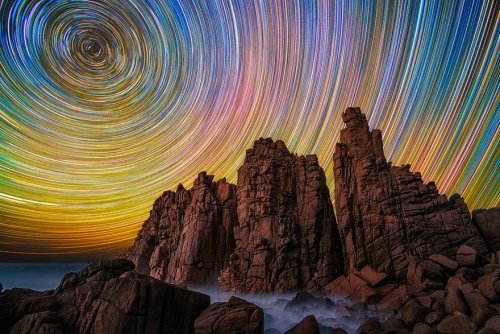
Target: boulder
(466, 256)
(308, 325)
(448, 264)
(394, 325)
(371, 276)
(352, 287)
(108, 297)
(370, 326)
(426, 274)
(304, 301)
(486, 285)
(395, 300)
(454, 302)
(458, 323)
(493, 323)
(410, 313)
(421, 328)
(488, 223)
(235, 316)
(478, 304)
(45, 322)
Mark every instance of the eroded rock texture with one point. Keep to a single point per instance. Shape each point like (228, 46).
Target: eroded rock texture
(287, 238)
(388, 214)
(488, 223)
(105, 297)
(189, 234)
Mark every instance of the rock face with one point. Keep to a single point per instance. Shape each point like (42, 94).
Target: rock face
(387, 215)
(189, 234)
(287, 237)
(105, 297)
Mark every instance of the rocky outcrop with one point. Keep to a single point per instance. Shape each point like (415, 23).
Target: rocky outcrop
(189, 234)
(287, 237)
(105, 297)
(235, 316)
(387, 215)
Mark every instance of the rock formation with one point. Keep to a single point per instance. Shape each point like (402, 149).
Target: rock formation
(285, 233)
(387, 215)
(235, 316)
(287, 237)
(189, 234)
(105, 297)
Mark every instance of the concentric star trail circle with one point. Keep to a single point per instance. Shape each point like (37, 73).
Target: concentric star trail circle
(106, 104)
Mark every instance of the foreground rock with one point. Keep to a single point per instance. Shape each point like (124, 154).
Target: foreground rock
(235, 316)
(105, 297)
(388, 215)
(308, 325)
(287, 237)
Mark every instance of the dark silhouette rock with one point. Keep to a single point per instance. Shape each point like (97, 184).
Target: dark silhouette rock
(189, 234)
(303, 301)
(287, 237)
(387, 214)
(421, 328)
(370, 326)
(108, 297)
(235, 316)
(308, 325)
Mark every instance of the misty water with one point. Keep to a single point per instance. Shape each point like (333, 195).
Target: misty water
(46, 276)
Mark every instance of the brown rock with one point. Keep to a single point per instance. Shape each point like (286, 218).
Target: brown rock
(188, 236)
(352, 287)
(493, 323)
(421, 328)
(466, 256)
(387, 214)
(458, 323)
(486, 285)
(107, 297)
(478, 304)
(371, 276)
(395, 300)
(454, 301)
(488, 223)
(235, 316)
(426, 274)
(411, 312)
(308, 325)
(287, 237)
(434, 317)
(370, 326)
(46, 322)
(393, 325)
(449, 265)
(425, 301)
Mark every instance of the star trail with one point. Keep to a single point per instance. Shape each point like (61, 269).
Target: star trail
(106, 104)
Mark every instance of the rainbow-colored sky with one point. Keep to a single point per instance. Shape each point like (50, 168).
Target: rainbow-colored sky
(106, 104)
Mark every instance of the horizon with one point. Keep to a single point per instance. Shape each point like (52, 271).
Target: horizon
(97, 123)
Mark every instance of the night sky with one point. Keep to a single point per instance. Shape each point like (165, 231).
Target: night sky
(106, 104)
